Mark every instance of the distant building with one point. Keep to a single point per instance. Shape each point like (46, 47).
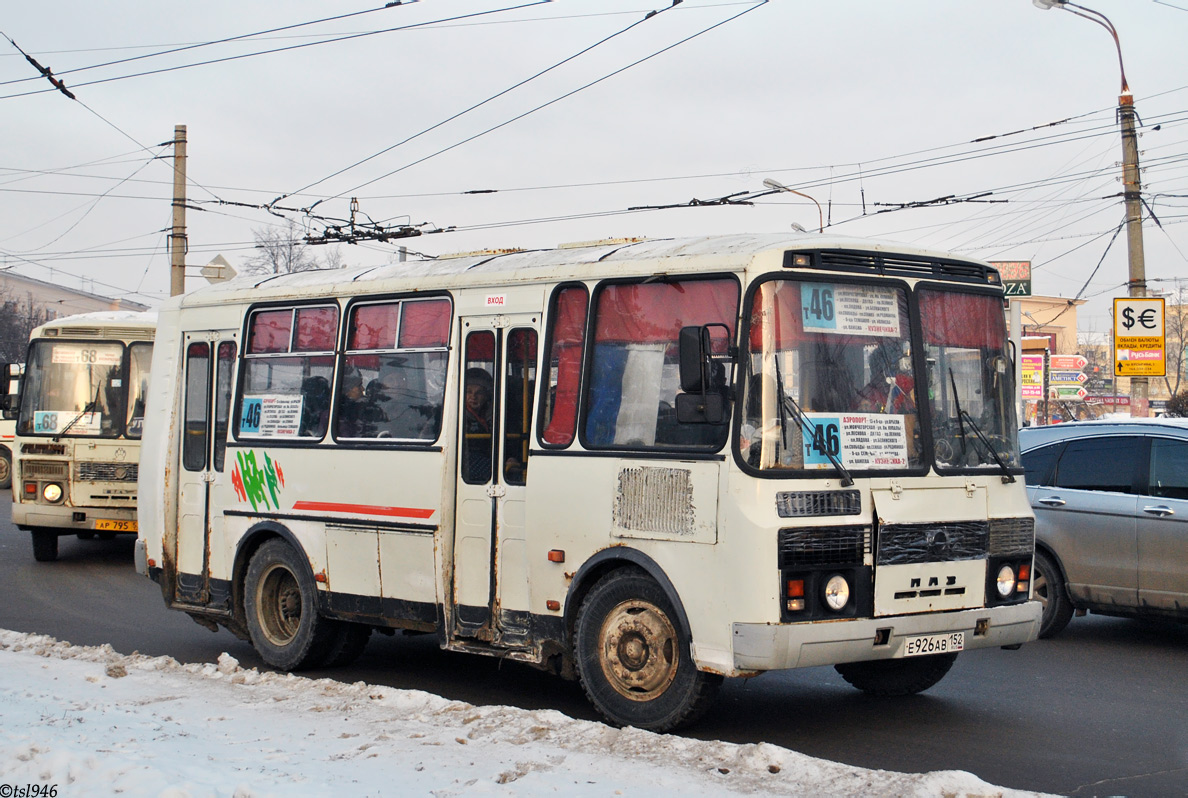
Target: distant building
(58, 300)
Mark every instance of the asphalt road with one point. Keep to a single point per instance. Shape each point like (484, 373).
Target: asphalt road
(1100, 710)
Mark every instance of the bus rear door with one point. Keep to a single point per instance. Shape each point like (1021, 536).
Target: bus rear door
(498, 382)
(206, 404)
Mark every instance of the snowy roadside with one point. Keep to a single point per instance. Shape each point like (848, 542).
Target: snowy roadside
(95, 722)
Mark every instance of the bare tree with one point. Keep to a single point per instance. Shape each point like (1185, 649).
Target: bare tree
(17, 320)
(332, 258)
(281, 249)
(1175, 327)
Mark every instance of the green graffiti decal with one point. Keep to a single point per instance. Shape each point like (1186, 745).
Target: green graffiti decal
(256, 484)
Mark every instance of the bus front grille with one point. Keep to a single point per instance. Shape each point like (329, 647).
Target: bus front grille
(1012, 536)
(923, 543)
(828, 545)
(44, 469)
(106, 472)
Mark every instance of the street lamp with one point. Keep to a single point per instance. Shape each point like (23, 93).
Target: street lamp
(1131, 186)
(777, 186)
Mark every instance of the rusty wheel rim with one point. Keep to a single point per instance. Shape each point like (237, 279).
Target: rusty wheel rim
(639, 654)
(279, 602)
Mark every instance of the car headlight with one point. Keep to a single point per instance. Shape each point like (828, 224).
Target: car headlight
(52, 492)
(1005, 582)
(837, 592)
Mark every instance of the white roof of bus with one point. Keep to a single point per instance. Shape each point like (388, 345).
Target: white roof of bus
(726, 253)
(132, 317)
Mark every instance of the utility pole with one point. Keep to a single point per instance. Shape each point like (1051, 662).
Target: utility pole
(1131, 191)
(1131, 186)
(178, 244)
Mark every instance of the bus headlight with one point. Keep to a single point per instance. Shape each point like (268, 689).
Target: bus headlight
(1005, 581)
(837, 592)
(52, 493)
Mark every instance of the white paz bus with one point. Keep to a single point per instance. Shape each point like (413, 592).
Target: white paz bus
(648, 465)
(78, 429)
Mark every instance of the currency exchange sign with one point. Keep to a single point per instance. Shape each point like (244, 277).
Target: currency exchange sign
(1139, 348)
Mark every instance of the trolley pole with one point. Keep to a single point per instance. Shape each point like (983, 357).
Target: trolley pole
(178, 244)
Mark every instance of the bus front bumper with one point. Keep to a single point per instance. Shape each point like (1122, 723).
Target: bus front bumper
(764, 647)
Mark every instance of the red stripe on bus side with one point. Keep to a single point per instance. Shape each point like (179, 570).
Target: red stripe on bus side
(363, 509)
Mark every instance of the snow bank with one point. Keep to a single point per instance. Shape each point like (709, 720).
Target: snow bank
(96, 722)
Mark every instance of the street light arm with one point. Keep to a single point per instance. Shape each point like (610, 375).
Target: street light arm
(777, 186)
(1092, 16)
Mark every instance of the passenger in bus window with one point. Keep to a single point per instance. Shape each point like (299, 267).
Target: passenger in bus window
(359, 415)
(405, 412)
(476, 426)
(891, 388)
(315, 406)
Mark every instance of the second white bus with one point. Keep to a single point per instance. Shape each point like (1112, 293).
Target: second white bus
(78, 431)
(648, 465)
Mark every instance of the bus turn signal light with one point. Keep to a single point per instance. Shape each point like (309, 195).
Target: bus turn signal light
(556, 555)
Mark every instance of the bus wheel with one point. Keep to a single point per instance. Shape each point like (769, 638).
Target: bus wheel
(633, 661)
(896, 677)
(5, 469)
(345, 644)
(282, 609)
(45, 545)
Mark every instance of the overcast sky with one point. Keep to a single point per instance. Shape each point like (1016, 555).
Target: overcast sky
(865, 105)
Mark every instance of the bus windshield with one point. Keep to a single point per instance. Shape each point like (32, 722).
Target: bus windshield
(970, 380)
(79, 388)
(828, 379)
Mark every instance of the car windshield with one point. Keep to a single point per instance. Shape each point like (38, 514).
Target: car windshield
(73, 388)
(970, 380)
(827, 378)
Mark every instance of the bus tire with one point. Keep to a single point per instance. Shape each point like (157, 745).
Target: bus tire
(5, 469)
(634, 661)
(45, 545)
(345, 644)
(1050, 589)
(281, 603)
(887, 678)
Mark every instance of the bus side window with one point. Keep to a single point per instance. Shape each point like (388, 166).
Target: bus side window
(476, 408)
(566, 339)
(197, 402)
(520, 381)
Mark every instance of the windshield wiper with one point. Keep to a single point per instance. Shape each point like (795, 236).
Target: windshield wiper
(90, 408)
(963, 416)
(806, 426)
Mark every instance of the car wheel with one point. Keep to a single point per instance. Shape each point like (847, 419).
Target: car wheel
(45, 545)
(1047, 584)
(281, 601)
(897, 677)
(633, 660)
(5, 469)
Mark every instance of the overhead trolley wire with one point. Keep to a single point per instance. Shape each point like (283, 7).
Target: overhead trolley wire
(227, 40)
(241, 56)
(477, 105)
(555, 100)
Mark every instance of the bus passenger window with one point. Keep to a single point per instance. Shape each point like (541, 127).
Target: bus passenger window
(393, 384)
(476, 408)
(520, 381)
(567, 337)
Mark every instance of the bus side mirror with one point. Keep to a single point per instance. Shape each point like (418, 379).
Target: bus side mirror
(694, 357)
(698, 408)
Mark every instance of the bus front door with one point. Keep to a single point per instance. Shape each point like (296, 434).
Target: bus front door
(206, 403)
(498, 383)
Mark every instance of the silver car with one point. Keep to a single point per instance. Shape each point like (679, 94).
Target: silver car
(1111, 518)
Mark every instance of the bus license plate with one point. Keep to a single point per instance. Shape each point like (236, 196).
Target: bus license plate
(108, 525)
(934, 644)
